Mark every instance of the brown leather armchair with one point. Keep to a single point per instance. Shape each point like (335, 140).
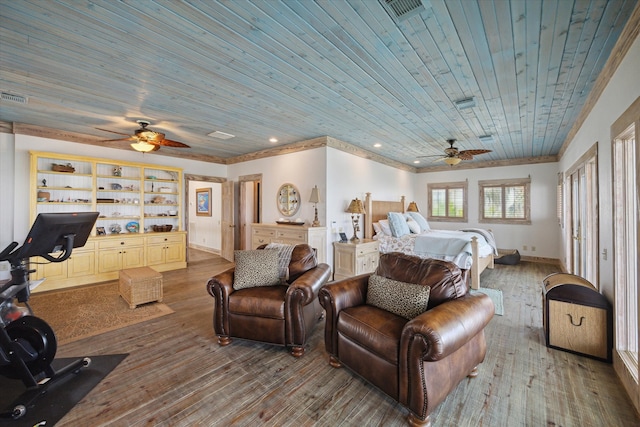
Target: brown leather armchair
(281, 314)
(416, 362)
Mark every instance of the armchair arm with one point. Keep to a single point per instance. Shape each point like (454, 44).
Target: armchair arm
(220, 287)
(337, 296)
(305, 288)
(449, 326)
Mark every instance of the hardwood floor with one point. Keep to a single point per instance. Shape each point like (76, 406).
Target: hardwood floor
(177, 375)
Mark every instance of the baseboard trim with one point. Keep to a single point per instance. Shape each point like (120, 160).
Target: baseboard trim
(204, 249)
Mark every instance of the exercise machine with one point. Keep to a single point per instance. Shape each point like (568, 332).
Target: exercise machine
(27, 343)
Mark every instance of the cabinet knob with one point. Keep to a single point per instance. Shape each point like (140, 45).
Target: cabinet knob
(122, 243)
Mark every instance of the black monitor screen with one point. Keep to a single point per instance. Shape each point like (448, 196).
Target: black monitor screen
(47, 234)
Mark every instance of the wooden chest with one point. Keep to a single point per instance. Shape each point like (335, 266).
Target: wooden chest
(576, 317)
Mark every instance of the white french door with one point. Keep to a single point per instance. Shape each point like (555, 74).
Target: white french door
(583, 223)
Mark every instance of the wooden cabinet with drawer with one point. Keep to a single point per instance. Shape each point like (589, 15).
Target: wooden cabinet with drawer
(316, 237)
(164, 250)
(577, 318)
(352, 259)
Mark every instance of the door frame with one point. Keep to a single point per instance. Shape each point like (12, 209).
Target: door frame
(187, 179)
(243, 182)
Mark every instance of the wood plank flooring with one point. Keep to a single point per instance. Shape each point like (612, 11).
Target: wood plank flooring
(177, 375)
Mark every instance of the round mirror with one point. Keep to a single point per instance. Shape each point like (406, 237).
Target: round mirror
(288, 200)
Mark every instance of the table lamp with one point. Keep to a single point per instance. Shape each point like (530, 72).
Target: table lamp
(315, 199)
(355, 209)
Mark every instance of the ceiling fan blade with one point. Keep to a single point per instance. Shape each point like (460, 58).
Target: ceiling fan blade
(112, 131)
(131, 138)
(170, 143)
(468, 154)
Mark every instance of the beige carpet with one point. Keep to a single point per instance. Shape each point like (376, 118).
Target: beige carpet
(86, 311)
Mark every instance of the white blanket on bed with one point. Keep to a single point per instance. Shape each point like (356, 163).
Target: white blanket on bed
(442, 242)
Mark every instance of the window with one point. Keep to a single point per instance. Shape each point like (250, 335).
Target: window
(625, 250)
(505, 201)
(448, 201)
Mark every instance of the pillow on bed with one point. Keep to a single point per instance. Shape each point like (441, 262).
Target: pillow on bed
(422, 222)
(384, 226)
(398, 224)
(376, 228)
(413, 226)
(404, 299)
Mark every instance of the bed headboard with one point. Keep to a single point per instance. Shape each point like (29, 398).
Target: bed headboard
(377, 210)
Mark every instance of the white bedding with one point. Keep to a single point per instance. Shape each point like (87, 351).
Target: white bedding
(448, 245)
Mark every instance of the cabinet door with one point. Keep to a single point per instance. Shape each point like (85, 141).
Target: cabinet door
(174, 252)
(109, 260)
(81, 264)
(133, 257)
(155, 254)
(51, 271)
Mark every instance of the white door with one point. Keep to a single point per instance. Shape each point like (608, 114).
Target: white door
(227, 221)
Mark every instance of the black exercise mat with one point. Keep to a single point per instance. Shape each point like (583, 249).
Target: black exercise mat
(61, 396)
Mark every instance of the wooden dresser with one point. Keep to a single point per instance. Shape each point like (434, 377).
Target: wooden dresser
(576, 317)
(352, 259)
(316, 237)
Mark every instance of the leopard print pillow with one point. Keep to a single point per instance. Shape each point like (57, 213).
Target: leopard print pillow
(404, 299)
(257, 267)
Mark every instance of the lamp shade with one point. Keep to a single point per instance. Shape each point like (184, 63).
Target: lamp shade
(315, 196)
(451, 161)
(356, 207)
(413, 207)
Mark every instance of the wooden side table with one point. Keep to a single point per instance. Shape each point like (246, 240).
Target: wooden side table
(577, 318)
(352, 259)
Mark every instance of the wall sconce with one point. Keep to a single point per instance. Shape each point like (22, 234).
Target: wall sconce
(355, 209)
(315, 199)
(413, 207)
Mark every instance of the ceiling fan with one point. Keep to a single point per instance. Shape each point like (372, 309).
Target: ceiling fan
(146, 140)
(453, 156)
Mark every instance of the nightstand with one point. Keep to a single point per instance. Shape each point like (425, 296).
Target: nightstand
(352, 259)
(576, 317)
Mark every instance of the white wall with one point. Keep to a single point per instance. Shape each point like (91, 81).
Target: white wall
(205, 231)
(349, 176)
(623, 89)
(543, 233)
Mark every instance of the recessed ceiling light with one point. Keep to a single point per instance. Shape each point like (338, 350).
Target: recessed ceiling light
(220, 135)
(416, 161)
(377, 145)
(273, 139)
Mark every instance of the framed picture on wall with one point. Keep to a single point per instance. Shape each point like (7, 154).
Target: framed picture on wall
(203, 202)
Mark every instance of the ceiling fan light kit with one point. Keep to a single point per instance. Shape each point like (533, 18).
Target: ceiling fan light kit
(147, 140)
(452, 161)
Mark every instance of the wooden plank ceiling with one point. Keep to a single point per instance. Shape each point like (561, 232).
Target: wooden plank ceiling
(297, 70)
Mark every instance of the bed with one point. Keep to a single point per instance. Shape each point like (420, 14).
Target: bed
(471, 250)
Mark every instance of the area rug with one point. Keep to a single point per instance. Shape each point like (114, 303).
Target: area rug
(496, 297)
(60, 396)
(87, 311)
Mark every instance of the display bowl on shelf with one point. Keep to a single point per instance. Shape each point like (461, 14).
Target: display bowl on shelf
(162, 228)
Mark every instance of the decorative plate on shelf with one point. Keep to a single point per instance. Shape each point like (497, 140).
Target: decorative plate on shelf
(133, 227)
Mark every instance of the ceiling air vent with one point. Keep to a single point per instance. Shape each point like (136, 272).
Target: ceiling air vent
(486, 139)
(220, 135)
(6, 96)
(404, 9)
(466, 103)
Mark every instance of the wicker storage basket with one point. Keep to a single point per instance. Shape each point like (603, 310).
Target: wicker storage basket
(140, 285)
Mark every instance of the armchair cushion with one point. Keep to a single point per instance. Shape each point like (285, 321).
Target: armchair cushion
(404, 299)
(256, 268)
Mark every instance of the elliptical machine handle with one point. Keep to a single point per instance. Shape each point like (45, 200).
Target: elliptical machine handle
(4, 255)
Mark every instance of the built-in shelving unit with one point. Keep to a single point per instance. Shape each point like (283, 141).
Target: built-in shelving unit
(134, 200)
